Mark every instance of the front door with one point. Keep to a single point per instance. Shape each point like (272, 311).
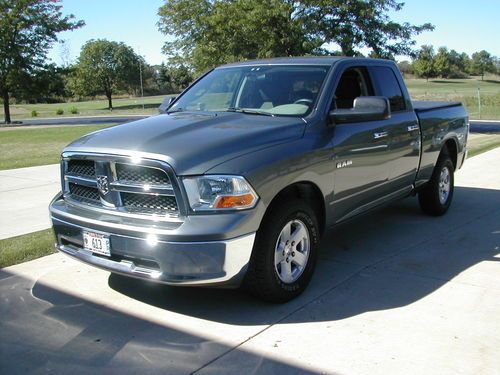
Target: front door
(361, 151)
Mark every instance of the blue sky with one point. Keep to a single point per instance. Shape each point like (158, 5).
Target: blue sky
(464, 25)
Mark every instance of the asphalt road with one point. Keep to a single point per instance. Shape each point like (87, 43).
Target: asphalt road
(93, 120)
(476, 126)
(395, 292)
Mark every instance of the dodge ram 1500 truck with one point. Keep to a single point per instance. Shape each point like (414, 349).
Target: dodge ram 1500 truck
(235, 182)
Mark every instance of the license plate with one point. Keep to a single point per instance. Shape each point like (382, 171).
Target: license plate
(96, 242)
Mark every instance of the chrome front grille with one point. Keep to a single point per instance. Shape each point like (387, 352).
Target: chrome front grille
(84, 194)
(148, 203)
(127, 173)
(126, 188)
(83, 168)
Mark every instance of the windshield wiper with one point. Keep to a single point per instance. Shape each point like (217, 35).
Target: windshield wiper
(249, 111)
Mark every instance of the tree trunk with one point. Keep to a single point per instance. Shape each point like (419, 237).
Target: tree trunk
(6, 107)
(347, 48)
(110, 102)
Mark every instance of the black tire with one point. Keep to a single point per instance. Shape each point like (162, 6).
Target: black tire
(262, 278)
(430, 198)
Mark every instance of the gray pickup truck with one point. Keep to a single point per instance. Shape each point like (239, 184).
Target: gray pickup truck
(236, 180)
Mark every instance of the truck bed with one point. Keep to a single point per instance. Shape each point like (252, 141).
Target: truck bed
(425, 105)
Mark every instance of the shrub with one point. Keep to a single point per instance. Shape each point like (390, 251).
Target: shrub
(73, 110)
(34, 113)
(59, 111)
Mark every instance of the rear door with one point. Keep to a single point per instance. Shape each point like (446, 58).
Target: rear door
(403, 131)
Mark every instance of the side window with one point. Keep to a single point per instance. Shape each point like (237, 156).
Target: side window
(354, 82)
(388, 85)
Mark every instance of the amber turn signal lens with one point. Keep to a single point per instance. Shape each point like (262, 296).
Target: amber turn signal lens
(235, 201)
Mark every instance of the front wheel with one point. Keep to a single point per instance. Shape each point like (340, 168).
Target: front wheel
(284, 254)
(435, 197)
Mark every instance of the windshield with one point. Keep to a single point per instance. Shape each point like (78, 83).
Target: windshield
(280, 90)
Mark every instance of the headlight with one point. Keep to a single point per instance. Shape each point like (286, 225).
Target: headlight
(219, 192)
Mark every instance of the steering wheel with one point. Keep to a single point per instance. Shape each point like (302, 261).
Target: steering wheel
(304, 101)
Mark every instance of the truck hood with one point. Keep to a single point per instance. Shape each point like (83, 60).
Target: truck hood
(191, 142)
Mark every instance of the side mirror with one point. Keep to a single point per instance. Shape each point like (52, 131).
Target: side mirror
(166, 104)
(366, 108)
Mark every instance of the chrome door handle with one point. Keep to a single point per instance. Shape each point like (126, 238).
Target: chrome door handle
(412, 127)
(380, 135)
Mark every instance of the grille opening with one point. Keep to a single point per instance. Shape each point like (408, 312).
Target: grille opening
(83, 168)
(135, 174)
(70, 242)
(140, 262)
(152, 204)
(84, 194)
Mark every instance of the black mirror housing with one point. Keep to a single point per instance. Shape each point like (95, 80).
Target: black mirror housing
(366, 108)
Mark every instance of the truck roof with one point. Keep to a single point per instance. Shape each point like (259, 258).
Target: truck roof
(308, 60)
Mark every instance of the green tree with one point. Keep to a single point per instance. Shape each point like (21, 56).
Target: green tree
(482, 62)
(181, 77)
(45, 84)
(424, 64)
(208, 33)
(360, 23)
(465, 62)
(27, 30)
(164, 79)
(405, 67)
(442, 63)
(105, 67)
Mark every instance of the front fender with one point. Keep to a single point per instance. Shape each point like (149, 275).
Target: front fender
(275, 168)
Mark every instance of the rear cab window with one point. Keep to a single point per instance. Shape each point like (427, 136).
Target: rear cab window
(387, 85)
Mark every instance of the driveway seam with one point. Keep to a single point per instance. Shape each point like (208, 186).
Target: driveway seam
(26, 188)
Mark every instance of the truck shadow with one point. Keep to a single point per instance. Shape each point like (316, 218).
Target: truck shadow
(387, 259)
(44, 329)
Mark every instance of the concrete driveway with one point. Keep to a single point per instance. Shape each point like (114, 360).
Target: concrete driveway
(395, 292)
(25, 194)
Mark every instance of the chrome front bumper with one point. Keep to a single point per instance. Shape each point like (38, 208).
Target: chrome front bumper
(180, 259)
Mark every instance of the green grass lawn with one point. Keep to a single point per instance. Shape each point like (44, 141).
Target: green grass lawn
(26, 247)
(122, 106)
(479, 143)
(464, 90)
(29, 147)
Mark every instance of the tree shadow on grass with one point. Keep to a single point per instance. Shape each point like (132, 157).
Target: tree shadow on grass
(129, 107)
(443, 81)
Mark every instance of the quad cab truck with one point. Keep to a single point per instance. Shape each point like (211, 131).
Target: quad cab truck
(235, 182)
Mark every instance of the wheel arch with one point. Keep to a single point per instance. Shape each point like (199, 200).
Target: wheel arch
(305, 190)
(450, 148)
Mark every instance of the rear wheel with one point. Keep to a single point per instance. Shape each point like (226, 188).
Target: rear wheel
(435, 197)
(284, 254)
